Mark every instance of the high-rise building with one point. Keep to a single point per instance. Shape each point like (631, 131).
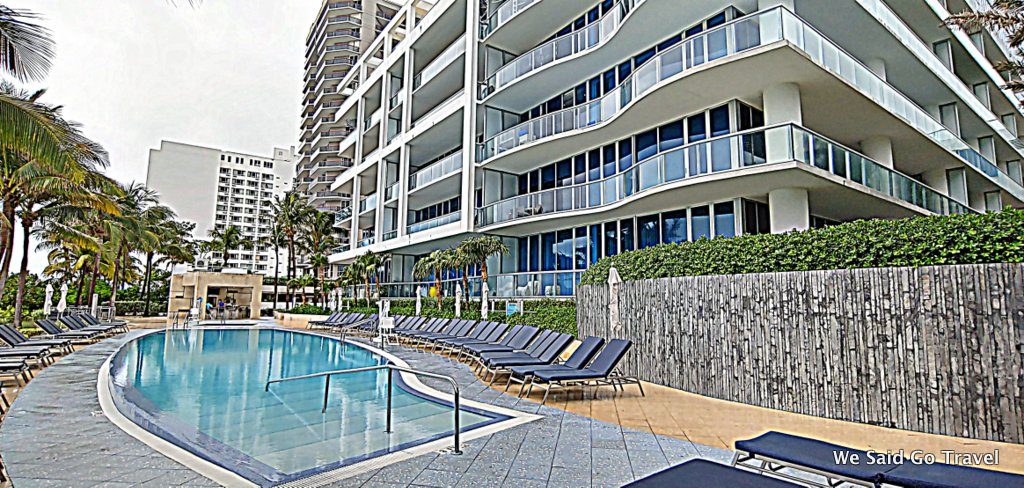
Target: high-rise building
(214, 189)
(578, 130)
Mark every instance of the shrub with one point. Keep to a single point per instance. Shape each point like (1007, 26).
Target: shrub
(307, 309)
(921, 241)
(559, 315)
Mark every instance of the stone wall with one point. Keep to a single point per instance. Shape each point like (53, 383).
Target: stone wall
(935, 349)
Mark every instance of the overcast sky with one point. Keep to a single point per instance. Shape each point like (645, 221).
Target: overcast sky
(226, 74)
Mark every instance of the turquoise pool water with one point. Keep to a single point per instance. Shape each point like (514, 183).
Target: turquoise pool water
(203, 389)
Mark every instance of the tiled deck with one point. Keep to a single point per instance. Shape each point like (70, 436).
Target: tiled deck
(55, 435)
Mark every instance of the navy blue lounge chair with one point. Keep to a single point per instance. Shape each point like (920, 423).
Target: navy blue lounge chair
(600, 372)
(88, 318)
(17, 369)
(14, 337)
(545, 354)
(319, 323)
(495, 337)
(481, 333)
(579, 359)
(511, 342)
(772, 451)
(74, 323)
(701, 473)
(75, 336)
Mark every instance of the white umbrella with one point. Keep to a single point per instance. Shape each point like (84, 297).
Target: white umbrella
(458, 301)
(614, 280)
(419, 299)
(48, 304)
(62, 305)
(484, 303)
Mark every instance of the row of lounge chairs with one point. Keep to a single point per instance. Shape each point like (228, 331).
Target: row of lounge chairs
(521, 353)
(777, 459)
(343, 320)
(22, 352)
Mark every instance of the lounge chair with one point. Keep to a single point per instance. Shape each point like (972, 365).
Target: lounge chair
(496, 335)
(89, 319)
(75, 336)
(318, 323)
(464, 330)
(74, 323)
(579, 359)
(41, 355)
(14, 337)
(435, 325)
(701, 473)
(772, 451)
(600, 372)
(481, 333)
(544, 354)
(17, 369)
(509, 343)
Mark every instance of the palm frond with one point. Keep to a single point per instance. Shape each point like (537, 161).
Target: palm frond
(26, 48)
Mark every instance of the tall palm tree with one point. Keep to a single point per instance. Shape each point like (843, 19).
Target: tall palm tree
(173, 246)
(435, 263)
(317, 242)
(292, 211)
(1006, 16)
(224, 241)
(369, 265)
(25, 47)
(480, 249)
(275, 238)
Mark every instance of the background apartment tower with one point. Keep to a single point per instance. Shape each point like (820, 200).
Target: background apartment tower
(214, 188)
(576, 130)
(341, 32)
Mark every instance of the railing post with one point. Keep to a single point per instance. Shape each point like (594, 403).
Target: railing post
(390, 382)
(458, 448)
(327, 390)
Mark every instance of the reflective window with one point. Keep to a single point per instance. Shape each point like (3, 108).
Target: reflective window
(564, 249)
(534, 253)
(671, 136)
(626, 235)
(696, 128)
(595, 243)
(625, 154)
(547, 247)
(564, 172)
(648, 226)
(547, 177)
(524, 246)
(611, 239)
(719, 121)
(646, 144)
(609, 160)
(673, 227)
(725, 220)
(580, 248)
(701, 217)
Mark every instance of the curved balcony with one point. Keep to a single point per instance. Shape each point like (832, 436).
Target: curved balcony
(435, 67)
(446, 166)
(503, 14)
(779, 144)
(434, 222)
(733, 38)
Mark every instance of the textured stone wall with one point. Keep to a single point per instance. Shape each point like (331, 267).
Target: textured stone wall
(936, 349)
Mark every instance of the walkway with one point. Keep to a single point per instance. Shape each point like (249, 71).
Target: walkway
(55, 435)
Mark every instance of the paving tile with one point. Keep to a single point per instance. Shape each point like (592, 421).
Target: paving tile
(436, 478)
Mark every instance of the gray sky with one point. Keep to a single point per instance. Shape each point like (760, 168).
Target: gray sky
(226, 74)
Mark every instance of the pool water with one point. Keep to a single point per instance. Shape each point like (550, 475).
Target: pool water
(203, 389)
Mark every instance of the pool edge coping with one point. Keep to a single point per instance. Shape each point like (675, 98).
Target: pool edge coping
(227, 477)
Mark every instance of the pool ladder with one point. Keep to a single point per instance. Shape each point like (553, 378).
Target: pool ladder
(391, 368)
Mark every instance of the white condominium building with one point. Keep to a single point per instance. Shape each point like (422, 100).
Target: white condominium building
(215, 189)
(576, 130)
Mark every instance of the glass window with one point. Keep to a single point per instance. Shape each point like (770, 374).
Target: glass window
(581, 93)
(646, 144)
(648, 230)
(524, 183)
(534, 180)
(701, 217)
(566, 282)
(580, 163)
(671, 136)
(750, 117)
(755, 218)
(554, 105)
(564, 249)
(595, 243)
(564, 172)
(523, 245)
(625, 154)
(595, 165)
(534, 253)
(609, 80)
(720, 121)
(611, 239)
(725, 220)
(716, 20)
(671, 41)
(547, 247)
(547, 177)
(593, 15)
(609, 160)
(625, 69)
(626, 235)
(692, 31)
(696, 128)
(644, 56)
(673, 227)
(595, 88)
(580, 245)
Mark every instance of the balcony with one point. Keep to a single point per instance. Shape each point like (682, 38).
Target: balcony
(391, 192)
(342, 248)
(387, 236)
(342, 215)
(434, 222)
(431, 70)
(779, 144)
(396, 99)
(372, 119)
(368, 203)
(446, 166)
(502, 14)
(368, 239)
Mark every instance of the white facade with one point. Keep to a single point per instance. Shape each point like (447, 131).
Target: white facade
(577, 130)
(214, 188)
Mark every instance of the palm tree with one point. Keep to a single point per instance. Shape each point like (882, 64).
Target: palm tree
(225, 241)
(174, 245)
(434, 264)
(275, 238)
(1006, 16)
(479, 249)
(25, 48)
(317, 242)
(291, 211)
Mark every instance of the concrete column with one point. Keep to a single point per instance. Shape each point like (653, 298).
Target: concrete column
(357, 193)
(781, 106)
(878, 148)
(877, 66)
(788, 210)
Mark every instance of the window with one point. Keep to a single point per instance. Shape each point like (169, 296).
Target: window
(547, 179)
(580, 248)
(725, 220)
(646, 145)
(948, 117)
(626, 235)
(749, 117)
(648, 226)
(956, 184)
(534, 253)
(594, 158)
(943, 51)
(993, 201)
(755, 218)
(673, 227)
(671, 136)
(564, 172)
(719, 121)
(580, 170)
(625, 154)
(523, 248)
(564, 249)
(611, 239)
(595, 243)
(701, 218)
(696, 128)
(609, 160)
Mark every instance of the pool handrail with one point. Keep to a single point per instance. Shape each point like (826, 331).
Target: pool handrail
(391, 369)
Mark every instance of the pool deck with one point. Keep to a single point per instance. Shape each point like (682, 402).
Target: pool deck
(55, 435)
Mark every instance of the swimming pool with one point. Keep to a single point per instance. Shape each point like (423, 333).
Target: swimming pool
(203, 391)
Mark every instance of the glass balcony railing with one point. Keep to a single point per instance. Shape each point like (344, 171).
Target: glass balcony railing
(391, 192)
(434, 222)
(368, 203)
(755, 30)
(451, 53)
(391, 234)
(778, 144)
(446, 166)
(589, 37)
(342, 215)
(373, 119)
(367, 240)
(396, 99)
(342, 248)
(502, 14)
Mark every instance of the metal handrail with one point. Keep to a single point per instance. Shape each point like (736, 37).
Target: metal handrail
(391, 369)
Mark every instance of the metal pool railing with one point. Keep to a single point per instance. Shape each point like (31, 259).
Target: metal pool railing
(391, 369)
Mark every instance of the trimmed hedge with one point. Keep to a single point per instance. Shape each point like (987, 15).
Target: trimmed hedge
(996, 237)
(559, 315)
(308, 309)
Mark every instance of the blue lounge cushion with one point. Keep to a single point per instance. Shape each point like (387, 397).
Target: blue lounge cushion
(700, 473)
(940, 475)
(812, 453)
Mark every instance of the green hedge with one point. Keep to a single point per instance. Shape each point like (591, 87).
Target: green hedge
(307, 309)
(559, 315)
(923, 241)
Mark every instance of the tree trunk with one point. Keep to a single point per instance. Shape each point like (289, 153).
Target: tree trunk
(8, 239)
(277, 269)
(465, 282)
(291, 271)
(483, 279)
(367, 291)
(81, 285)
(19, 299)
(115, 280)
(146, 285)
(437, 286)
(92, 281)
